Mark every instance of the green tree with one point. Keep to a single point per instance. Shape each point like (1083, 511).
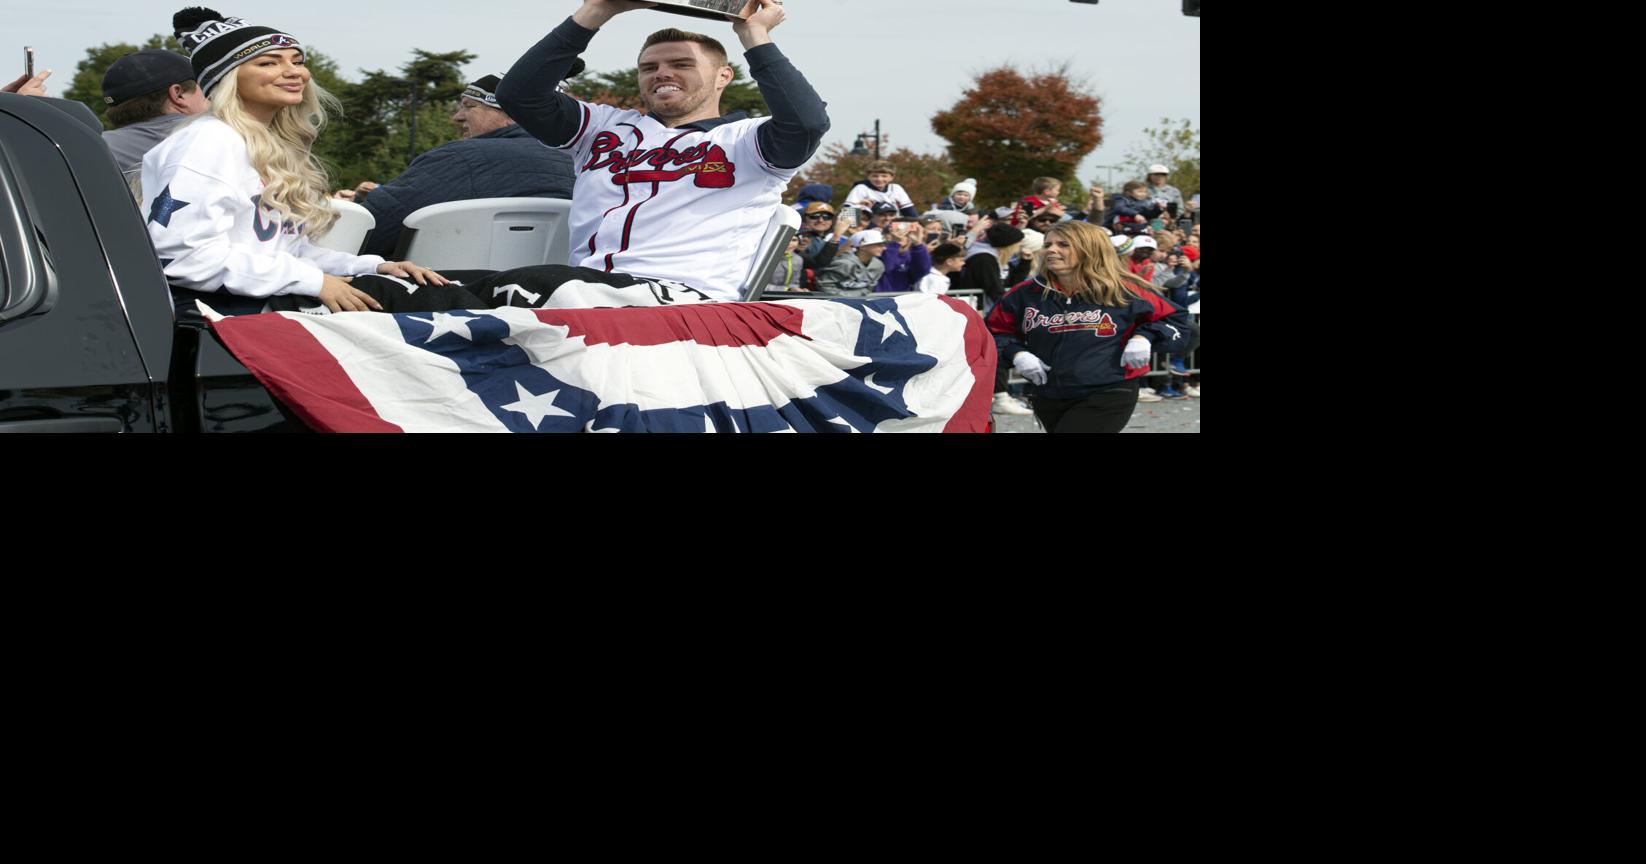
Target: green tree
(622, 89)
(1177, 146)
(1010, 128)
(371, 138)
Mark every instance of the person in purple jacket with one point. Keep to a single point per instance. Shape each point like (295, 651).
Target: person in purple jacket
(906, 258)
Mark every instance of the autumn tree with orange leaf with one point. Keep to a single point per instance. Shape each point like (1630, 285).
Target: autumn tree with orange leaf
(1009, 129)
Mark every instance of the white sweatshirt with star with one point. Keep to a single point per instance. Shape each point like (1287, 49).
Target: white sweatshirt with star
(203, 202)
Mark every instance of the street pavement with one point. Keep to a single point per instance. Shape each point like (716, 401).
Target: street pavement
(1180, 415)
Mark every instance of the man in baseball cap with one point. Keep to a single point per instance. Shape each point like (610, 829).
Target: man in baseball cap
(147, 93)
(856, 275)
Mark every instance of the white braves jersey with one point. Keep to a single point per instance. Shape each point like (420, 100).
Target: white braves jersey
(864, 197)
(675, 204)
(210, 229)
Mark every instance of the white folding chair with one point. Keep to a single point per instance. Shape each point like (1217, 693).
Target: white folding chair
(785, 223)
(488, 234)
(349, 232)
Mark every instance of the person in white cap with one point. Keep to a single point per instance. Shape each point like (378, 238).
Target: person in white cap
(1160, 190)
(856, 275)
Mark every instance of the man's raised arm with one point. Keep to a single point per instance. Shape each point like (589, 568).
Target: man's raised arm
(799, 120)
(528, 92)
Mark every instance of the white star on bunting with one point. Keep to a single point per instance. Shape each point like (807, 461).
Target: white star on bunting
(888, 323)
(535, 407)
(444, 323)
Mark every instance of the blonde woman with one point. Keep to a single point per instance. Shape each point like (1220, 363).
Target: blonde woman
(233, 196)
(1082, 331)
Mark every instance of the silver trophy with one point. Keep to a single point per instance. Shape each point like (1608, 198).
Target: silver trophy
(719, 10)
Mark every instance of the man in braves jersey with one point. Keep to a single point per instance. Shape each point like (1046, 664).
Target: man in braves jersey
(670, 205)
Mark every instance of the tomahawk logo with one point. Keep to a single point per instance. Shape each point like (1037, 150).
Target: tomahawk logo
(705, 163)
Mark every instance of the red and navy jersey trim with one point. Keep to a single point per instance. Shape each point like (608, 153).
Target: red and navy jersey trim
(580, 129)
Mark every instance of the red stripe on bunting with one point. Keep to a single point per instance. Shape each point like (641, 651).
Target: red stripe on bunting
(728, 325)
(973, 415)
(300, 372)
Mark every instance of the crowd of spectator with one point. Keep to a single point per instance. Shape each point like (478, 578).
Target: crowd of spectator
(880, 242)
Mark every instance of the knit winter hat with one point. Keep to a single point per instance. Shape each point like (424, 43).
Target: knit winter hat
(1033, 241)
(968, 185)
(216, 45)
(484, 90)
(1002, 236)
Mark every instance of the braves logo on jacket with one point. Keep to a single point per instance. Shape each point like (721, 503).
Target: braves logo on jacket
(1099, 322)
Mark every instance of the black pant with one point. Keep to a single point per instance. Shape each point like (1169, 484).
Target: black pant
(528, 287)
(1104, 411)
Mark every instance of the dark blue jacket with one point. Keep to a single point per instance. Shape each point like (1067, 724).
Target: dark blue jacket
(1124, 209)
(1082, 342)
(506, 163)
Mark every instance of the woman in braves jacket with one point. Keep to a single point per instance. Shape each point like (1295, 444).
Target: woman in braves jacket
(1082, 332)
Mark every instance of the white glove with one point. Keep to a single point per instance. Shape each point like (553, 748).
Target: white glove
(1137, 353)
(1030, 367)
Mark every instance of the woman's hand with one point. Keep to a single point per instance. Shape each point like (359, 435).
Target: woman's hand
(1136, 355)
(408, 270)
(340, 296)
(1030, 367)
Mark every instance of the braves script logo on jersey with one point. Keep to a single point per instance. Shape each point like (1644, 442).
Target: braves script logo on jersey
(705, 163)
(1094, 320)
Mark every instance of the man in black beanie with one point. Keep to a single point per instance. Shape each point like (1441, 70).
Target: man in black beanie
(495, 159)
(148, 93)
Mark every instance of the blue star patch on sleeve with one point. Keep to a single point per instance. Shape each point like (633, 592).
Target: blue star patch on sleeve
(164, 207)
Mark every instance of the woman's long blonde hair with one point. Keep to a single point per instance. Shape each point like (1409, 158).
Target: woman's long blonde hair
(1100, 278)
(282, 153)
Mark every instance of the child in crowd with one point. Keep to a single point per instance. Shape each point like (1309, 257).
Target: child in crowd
(1134, 209)
(961, 198)
(878, 188)
(947, 259)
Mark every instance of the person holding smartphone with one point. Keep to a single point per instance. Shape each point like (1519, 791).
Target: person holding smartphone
(907, 258)
(28, 84)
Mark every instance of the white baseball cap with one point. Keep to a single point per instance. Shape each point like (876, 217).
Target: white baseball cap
(1159, 169)
(1125, 244)
(867, 238)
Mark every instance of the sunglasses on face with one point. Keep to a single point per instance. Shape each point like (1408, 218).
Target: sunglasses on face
(821, 217)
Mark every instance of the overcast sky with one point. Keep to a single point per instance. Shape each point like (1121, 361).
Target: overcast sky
(897, 60)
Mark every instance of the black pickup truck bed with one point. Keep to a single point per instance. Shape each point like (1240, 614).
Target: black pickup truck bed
(88, 339)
